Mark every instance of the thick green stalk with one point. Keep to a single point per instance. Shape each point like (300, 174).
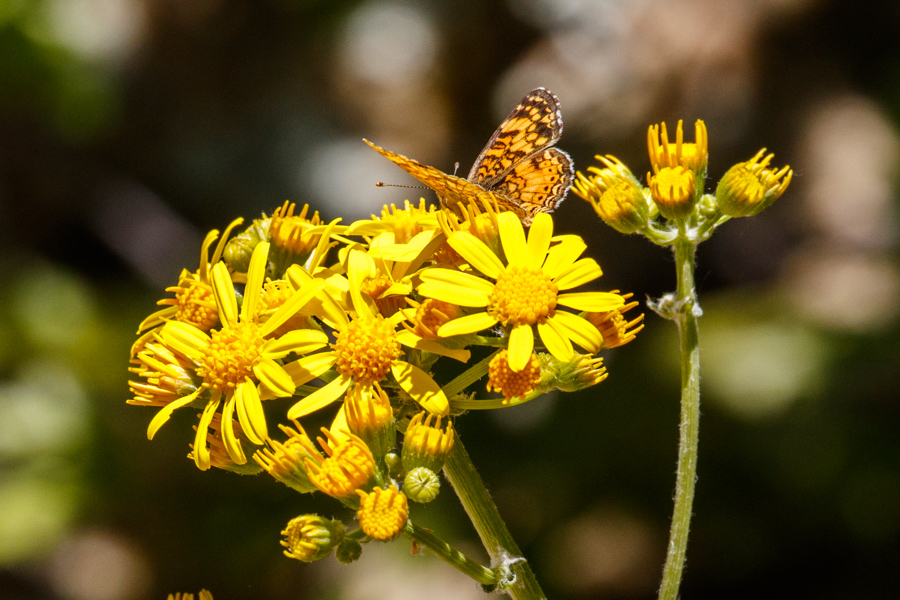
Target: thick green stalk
(686, 310)
(454, 557)
(490, 527)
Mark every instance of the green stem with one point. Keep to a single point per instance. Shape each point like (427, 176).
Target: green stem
(687, 310)
(454, 557)
(468, 377)
(491, 529)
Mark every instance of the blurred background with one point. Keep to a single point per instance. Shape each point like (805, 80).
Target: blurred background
(129, 128)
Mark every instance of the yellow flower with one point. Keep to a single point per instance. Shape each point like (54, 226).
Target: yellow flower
(348, 467)
(310, 537)
(404, 223)
(369, 415)
(366, 351)
(673, 189)
(525, 292)
(382, 513)
(427, 317)
(237, 363)
(286, 461)
(680, 154)
(749, 187)
(204, 595)
(512, 384)
(193, 302)
(615, 194)
(425, 444)
(295, 234)
(616, 331)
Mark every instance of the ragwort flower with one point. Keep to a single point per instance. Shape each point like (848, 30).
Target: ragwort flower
(237, 363)
(525, 292)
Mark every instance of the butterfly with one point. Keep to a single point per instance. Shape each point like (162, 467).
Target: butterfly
(518, 170)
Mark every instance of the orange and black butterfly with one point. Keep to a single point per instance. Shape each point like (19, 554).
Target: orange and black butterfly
(518, 170)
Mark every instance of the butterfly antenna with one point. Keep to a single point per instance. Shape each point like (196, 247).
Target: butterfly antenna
(412, 187)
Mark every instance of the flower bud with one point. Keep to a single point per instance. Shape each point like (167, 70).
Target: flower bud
(615, 195)
(749, 187)
(310, 537)
(421, 485)
(579, 372)
(425, 445)
(348, 551)
(286, 461)
(370, 416)
(240, 248)
(673, 189)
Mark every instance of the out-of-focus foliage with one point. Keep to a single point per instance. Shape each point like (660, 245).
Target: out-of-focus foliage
(127, 127)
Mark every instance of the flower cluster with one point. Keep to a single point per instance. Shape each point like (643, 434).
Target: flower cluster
(675, 188)
(353, 320)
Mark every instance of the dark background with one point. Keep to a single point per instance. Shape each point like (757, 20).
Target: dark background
(129, 128)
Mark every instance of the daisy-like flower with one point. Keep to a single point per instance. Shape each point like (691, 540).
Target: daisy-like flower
(237, 363)
(405, 223)
(367, 350)
(193, 302)
(525, 290)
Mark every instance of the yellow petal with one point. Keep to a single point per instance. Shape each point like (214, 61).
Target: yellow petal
(455, 287)
(220, 247)
(223, 290)
(299, 341)
(292, 305)
(563, 255)
(166, 411)
(273, 377)
(591, 301)
(158, 318)
(251, 413)
(339, 427)
(556, 343)
(512, 236)
(581, 272)
(360, 267)
(408, 338)
(256, 276)
(468, 324)
(309, 367)
(476, 253)
(577, 329)
(321, 398)
(521, 345)
(423, 389)
(232, 444)
(185, 338)
(538, 240)
(201, 452)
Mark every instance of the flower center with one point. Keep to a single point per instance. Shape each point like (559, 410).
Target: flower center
(366, 349)
(672, 185)
(522, 296)
(512, 384)
(383, 513)
(291, 232)
(196, 305)
(374, 287)
(230, 357)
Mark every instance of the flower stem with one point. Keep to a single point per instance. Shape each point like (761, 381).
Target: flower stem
(454, 557)
(687, 312)
(520, 582)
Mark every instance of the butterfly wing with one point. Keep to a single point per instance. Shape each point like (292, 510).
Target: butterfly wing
(538, 183)
(451, 190)
(533, 125)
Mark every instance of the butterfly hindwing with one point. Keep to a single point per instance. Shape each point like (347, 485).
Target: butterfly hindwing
(535, 124)
(539, 183)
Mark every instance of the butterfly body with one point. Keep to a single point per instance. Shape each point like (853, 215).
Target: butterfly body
(518, 169)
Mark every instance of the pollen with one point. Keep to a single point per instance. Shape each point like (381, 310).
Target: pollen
(523, 296)
(383, 513)
(230, 356)
(512, 384)
(196, 304)
(366, 349)
(349, 465)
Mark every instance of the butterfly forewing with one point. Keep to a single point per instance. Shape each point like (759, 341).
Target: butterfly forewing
(535, 124)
